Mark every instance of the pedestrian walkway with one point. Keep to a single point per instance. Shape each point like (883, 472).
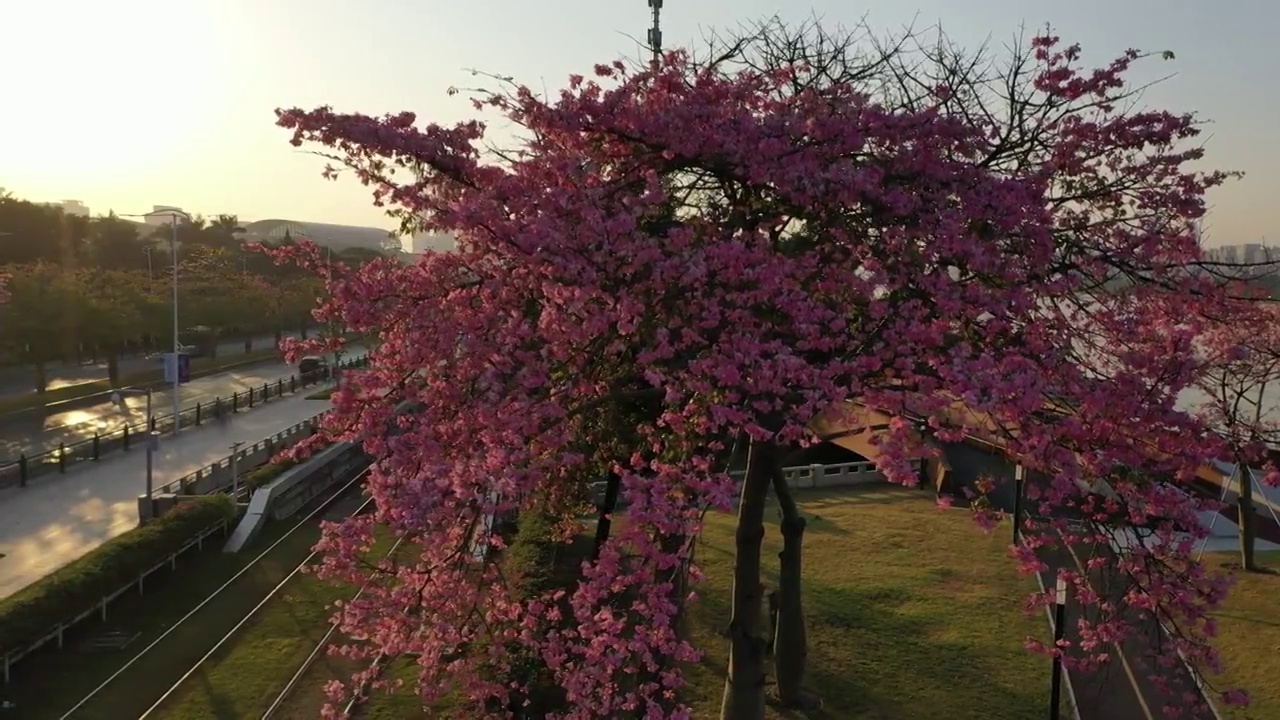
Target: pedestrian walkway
(61, 517)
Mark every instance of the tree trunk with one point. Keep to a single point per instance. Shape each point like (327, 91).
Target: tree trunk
(113, 366)
(608, 504)
(791, 644)
(744, 685)
(1246, 518)
(42, 377)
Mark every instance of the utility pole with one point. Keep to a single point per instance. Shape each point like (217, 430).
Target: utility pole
(173, 251)
(655, 32)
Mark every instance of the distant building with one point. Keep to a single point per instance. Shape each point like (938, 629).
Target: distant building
(425, 242)
(338, 237)
(1243, 253)
(75, 207)
(162, 214)
(70, 207)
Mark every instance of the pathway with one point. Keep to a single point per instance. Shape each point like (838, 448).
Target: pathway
(50, 523)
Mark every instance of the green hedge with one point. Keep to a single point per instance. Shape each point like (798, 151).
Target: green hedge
(265, 474)
(36, 609)
(536, 563)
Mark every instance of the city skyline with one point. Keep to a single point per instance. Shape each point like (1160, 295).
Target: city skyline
(190, 122)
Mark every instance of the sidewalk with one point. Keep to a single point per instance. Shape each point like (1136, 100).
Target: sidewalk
(48, 524)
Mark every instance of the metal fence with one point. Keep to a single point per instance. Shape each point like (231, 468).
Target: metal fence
(57, 633)
(58, 460)
(216, 478)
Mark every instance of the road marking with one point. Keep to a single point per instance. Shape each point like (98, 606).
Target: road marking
(1124, 662)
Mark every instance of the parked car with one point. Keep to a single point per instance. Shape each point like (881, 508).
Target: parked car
(183, 349)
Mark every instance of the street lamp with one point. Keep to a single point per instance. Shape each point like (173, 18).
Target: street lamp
(153, 442)
(173, 253)
(235, 474)
(151, 276)
(1059, 631)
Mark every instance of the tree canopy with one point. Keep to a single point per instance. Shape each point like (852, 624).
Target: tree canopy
(731, 246)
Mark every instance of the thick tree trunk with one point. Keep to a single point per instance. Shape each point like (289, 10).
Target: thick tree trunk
(1247, 519)
(613, 484)
(42, 377)
(744, 688)
(791, 643)
(113, 366)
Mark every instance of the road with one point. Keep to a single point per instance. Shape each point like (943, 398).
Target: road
(1121, 689)
(36, 434)
(20, 380)
(50, 523)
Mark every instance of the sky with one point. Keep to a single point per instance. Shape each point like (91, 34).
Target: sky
(133, 103)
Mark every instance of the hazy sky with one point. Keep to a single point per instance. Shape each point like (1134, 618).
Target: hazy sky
(130, 103)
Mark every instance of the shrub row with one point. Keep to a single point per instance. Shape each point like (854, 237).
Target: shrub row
(536, 563)
(27, 615)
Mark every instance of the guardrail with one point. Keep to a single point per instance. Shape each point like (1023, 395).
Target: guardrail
(296, 487)
(28, 466)
(217, 476)
(58, 632)
(800, 477)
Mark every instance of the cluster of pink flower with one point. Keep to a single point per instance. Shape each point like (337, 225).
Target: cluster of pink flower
(818, 244)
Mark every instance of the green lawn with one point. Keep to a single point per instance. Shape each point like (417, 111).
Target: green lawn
(912, 612)
(247, 673)
(1248, 634)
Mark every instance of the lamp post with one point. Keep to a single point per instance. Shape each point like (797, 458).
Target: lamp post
(235, 471)
(151, 276)
(173, 254)
(153, 443)
(1059, 631)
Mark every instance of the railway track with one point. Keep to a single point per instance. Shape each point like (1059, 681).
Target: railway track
(283, 696)
(121, 678)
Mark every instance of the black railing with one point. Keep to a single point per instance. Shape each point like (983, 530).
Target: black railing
(45, 462)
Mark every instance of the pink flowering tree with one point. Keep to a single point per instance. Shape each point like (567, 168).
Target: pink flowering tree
(1236, 394)
(677, 257)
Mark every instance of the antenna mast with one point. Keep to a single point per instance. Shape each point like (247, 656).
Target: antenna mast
(655, 32)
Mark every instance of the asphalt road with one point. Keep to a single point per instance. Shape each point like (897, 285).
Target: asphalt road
(1121, 689)
(37, 434)
(19, 380)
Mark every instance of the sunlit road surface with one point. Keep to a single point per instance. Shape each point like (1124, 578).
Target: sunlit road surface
(38, 435)
(58, 518)
(16, 381)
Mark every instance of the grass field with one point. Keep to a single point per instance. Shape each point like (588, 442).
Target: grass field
(913, 613)
(47, 684)
(245, 676)
(1249, 632)
(199, 367)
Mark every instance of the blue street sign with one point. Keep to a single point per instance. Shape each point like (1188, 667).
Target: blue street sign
(183, 367)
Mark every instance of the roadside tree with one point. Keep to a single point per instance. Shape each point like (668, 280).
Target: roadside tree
(714, 249)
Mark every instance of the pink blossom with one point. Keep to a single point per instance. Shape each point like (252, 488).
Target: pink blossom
(842, 250)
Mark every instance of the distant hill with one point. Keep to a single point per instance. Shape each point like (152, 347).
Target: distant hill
(338, 237)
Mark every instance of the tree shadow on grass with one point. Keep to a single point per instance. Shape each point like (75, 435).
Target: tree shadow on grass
(220, 706)
(871, 657)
